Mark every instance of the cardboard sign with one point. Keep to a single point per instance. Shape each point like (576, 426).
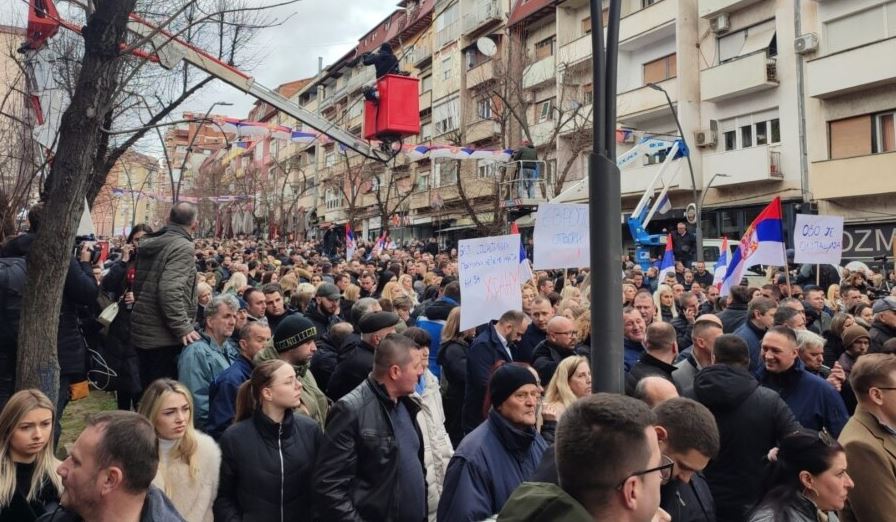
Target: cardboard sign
(818, 239)
(489, 273)
(561, 236)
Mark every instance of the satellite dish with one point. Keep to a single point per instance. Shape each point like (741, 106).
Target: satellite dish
(487, 46)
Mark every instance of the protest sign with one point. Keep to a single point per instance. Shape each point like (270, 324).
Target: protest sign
(489, 273)
(561, 236)
(818, 239)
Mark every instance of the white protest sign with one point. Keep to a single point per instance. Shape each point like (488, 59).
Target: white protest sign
(489, 273)
(818, 239)
(561, 236)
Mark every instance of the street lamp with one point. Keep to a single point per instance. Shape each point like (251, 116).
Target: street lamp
(699, 225)
(189, 150)
(703, 197)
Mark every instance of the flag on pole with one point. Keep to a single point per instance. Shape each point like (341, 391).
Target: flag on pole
(721, 265)
(665, 205)
(526, 274)
(349, 242)
(668, 263)
(762, 244)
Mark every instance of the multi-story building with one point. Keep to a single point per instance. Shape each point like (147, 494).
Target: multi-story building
(129, 196)
(190, 143)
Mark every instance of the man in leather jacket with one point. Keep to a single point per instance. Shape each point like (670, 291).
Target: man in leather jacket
(370, 466)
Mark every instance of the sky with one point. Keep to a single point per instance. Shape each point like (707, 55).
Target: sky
(327, 28)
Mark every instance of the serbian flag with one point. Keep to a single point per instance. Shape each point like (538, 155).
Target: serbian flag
(526, 274)
(668, 263)
(721, 265)
(349, 242)
(762, 244)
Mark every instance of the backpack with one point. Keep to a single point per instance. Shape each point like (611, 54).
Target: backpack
(12, 288)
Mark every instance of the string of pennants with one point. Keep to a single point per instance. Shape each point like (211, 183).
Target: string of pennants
(119, 192)
(251, 131)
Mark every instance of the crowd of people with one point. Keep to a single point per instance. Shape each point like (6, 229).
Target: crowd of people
(264, 380)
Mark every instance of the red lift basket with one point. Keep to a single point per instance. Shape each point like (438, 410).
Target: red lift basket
(43, 22)
(398, 112)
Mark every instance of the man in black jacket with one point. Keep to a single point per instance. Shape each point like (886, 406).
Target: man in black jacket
(751, 419)
(559, 344)
(354, 368)
(370, 466)
(688, 436)
(884, 326)
(324, 310)
(684, 245)
(661, 350)
(735, 314)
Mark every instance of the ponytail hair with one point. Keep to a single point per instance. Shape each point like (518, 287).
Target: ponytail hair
(248, 398)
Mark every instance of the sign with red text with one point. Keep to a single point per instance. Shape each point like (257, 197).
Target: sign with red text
(489, 273)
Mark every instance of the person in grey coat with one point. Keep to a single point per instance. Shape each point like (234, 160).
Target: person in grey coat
(165, 295)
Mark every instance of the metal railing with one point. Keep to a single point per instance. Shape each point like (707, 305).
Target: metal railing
(520, 182)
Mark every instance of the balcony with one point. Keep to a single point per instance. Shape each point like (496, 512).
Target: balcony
(634, 180)
(483, 130)
(648, 25)
(419, 200)
(360, 77)
(853, 69)
(582, 120)
(761, 163)
(713, 8)
(480, 14)
(425, 101)
(484, 72)
(574, 53)
(644, 102)
(540, 73)
(542, 132)
(422, 53)
(837, 178)
(449, 34)
(745, 75)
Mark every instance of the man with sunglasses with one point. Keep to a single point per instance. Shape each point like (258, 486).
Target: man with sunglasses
(609, 466)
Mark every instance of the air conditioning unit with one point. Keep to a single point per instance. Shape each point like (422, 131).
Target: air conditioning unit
(805, 43)
(705, 138)
(720, 24)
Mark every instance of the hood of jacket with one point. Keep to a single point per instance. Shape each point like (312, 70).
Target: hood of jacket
(440, 308)
(19, 246)
(721, 387)
(542, 502)
(515, 440)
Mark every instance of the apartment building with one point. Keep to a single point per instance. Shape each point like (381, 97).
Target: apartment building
(130, 196)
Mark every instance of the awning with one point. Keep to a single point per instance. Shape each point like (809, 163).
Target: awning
(455, 227)
(757, 41)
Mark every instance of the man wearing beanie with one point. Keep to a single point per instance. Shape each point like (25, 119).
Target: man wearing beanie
(500, 454)
(356, 365)
(856, 342)
(294, 343)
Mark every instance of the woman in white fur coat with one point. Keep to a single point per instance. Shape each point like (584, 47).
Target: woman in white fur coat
(189, 461)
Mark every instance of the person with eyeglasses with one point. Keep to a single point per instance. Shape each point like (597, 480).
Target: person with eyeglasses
(559, 343)
(869, 439)
(609, 466)
(808, 481)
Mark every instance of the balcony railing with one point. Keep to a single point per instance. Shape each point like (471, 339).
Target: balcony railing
(480, 74)
(541, 72)
(481, 13)
(449, 34)
(836, 178)
(746, 75)
(749, 165)
(851, 70)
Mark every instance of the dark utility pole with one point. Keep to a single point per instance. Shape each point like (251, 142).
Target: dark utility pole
(605, 208)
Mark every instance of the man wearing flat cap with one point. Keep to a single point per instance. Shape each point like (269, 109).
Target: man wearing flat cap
(294, 343)
(884, 326)
(323, 310)
(500, 454)
(356, 365)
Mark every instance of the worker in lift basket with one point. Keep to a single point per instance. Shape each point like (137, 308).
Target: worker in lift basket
(385, 63)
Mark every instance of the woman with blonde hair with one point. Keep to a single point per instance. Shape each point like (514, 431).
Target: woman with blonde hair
(302, 296)
(392, 290)
(189, 460)
(407, 284)
(236, 284)
(833, 301)
(664, 298)
(29, 484)
(269, 452)
(570, 382)
(289, 283)
(570, 308)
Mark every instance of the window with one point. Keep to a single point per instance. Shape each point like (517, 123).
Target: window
(545, 110)
(586, 25)
(330, 159)
(486, 169)
(473, 58)
(444, 116)
(660, 69)
(761, 133)
(425, 131)
(587, 94)
(730, 140)
(484, 109)
(426, 83)
(746, 136)
(759, 37)
(422, 181)
(648, 3)
(885, 132)
(444, 173)
(544, 48)
(859, 28)
(850, 137)
(446, 67)
(775, 127)
(333, 198)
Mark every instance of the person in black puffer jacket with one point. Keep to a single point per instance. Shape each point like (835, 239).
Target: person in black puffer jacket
(453, 361)
(752, 420)
(268, 454)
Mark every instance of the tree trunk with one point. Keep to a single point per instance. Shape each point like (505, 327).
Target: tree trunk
(79, 140)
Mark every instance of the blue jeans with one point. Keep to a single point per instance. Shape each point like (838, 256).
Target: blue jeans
(527, 183)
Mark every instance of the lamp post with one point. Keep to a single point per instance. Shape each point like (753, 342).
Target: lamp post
(703, 197)
(189, 150)
(698, 232)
